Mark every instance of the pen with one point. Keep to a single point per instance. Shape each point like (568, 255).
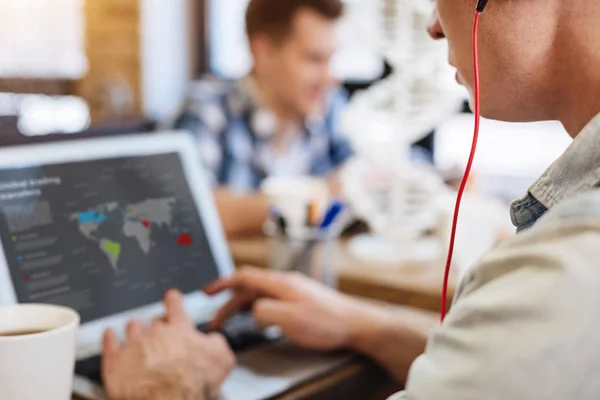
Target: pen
(311, 214)
(279, 220)
(332, 213)
(282, 224)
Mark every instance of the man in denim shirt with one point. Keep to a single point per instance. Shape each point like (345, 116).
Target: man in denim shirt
(281, 120)
(525, 321)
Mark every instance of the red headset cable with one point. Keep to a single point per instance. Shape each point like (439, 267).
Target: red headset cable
(480, 6)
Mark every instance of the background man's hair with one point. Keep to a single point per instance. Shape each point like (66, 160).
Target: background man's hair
(274, 17)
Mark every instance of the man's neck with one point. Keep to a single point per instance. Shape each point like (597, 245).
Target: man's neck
(578, 73)
(268, 99)
(582, 102)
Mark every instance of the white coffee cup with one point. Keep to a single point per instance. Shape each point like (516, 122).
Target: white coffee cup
(37, 366)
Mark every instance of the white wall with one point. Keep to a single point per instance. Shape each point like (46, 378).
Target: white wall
(356, 60)
(164, 56)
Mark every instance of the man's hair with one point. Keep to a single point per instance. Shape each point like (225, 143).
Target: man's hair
(274, 17)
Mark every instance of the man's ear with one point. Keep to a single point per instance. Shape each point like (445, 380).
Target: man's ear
(262, 48)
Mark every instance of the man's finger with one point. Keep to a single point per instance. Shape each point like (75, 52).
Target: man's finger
(215, 287)
(236, 303)
(245, 276)
(266, 283)
(111, 346)
(176, 313)
(134, 330)
(269, 312)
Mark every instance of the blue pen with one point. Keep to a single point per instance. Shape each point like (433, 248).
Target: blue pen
(333, 212)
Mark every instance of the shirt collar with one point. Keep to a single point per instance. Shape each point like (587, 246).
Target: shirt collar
(578, 169)
(263, 121)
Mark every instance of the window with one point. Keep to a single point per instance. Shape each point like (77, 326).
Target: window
(509, 155)
(42, 39)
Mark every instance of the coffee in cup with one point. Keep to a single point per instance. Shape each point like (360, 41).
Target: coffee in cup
(23, 332)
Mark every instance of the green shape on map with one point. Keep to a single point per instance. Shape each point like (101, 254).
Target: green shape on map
(111, 247)
(129, 208)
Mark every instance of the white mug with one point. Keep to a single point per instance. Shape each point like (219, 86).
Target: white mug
(38, 366)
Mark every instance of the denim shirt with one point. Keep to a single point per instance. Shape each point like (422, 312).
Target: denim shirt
(525, 322)
(576, 171)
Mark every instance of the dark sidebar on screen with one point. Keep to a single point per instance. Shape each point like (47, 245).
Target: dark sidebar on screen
(103, 236)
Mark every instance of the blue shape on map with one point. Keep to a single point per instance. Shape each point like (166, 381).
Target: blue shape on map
(93, 216)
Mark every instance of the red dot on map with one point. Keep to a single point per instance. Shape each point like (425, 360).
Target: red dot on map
(146, 223)
(26, 278)
(185, 240)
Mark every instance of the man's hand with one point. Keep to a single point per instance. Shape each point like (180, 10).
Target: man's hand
(309, 314)
(316, 317)
(168, 360)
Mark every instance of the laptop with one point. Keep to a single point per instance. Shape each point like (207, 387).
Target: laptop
(106, 226)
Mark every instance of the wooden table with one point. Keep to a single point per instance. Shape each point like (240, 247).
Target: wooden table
(361, 380)
(415, 285)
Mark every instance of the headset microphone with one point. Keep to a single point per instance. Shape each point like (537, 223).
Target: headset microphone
(480, 7)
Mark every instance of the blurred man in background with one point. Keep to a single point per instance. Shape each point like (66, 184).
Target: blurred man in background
(282, 119)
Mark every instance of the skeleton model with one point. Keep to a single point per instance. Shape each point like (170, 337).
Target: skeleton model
(397, 198)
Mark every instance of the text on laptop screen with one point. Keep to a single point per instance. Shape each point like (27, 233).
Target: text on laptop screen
(103, 236)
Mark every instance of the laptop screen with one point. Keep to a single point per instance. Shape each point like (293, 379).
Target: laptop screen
(103, 236)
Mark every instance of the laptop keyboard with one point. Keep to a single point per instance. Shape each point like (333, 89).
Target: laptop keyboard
(90, 368)
(240, 331)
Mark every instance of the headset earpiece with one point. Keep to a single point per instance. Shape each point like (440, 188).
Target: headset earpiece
(481, 5)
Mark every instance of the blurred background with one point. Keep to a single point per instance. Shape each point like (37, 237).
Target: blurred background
(99, 67)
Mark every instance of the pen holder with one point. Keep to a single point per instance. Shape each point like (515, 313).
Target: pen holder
(313, 254)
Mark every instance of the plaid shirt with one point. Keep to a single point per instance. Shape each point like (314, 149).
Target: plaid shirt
(234, 136)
